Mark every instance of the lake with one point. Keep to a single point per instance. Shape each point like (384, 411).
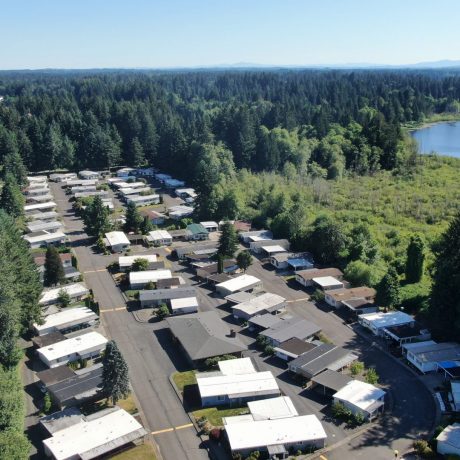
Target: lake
(442, 138)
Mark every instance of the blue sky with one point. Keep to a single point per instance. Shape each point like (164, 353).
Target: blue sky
(175, 33)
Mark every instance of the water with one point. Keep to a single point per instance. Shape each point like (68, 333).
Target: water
(442, 138)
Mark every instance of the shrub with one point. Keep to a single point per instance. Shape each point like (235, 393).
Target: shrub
(372, 377)
(47, 403)
(423, 449)
(162, 312)
(356, 368)
(317, 296)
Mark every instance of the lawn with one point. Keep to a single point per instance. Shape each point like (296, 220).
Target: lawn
(142, 452)
(128, 404)
(215, 414)
(182, 379)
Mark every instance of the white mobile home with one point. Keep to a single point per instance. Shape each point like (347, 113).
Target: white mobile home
(89, 175)
(84, 346)
(265, 303)
(264, 246)
(82, 188)
(255, 235)
(48, 206)
(361, 398)
(144, 200)
(305, 277)
(125, 172)
(275, 437)
(138, 280)
(160, 237)
(67, 320)
(39, 226)
(35, 191)
(241, 283)
(336, 297)
(426, 355)
(326, 283)
(448, 441)
(126, 262)
(44, 238)
(183, 305)
(76, 291)
(49, 216)
(117, 241)
(179, 212)
(377, 322)
(64, 177)
(210, 226)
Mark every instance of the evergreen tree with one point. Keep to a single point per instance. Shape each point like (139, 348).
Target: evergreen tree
(96, 218)
(415, 260)
(244, 260)
(54, 271)
(115, 378)
(145, 226)
(220, 263)
(133, 218)
(444, 308)
(388, 291)
(13, 164)
(11, 198)
(228, 240)
(136, 154)
(64, 299)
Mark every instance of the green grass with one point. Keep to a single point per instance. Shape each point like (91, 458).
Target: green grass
(434, 118)
(215, 414)
(182, 379)
(132, 294)
(128, 404)
(142, 452)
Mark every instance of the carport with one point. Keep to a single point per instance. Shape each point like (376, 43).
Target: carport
(330, 381)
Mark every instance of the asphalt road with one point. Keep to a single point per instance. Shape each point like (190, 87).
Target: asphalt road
(146, 350)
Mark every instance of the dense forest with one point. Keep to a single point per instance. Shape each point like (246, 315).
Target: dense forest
(319, 156)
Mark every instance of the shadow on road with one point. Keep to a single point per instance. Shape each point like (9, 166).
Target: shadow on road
(174, 353)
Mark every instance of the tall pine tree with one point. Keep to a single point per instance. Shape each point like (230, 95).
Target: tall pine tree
(415, 260)
(445, 295)
(96, 218)
(54, 271)
(388, 291)
(115, 378)
(11, 198)
(228, 241)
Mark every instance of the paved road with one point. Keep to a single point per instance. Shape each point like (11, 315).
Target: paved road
(149, 359)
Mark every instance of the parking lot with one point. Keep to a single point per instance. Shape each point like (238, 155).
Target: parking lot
(152, 358)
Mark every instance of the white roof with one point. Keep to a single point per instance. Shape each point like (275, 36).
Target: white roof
(133, 191)
(209, 224)
(451, 435)
(127, 261)
(65, 316)
(68, 347)
(38, 206)
(262, 433)
(273, 249)
(185, 302)
(130, 185)
(125, 170)
(42, 189)
(87, 172)
(46, 237)
(37, 178)
(360, 394)
(260, 303)
(160, 235)
(72, 182)
(83, 188)
(326, 281)
(273, 408)
(141, 198)
(239, 282)
(38, 225)
(43, 215)
(239, 384)
(180, 208)
(188, 191)
(392, 318)
(236, 366)
(101, 434)
(255, 238)
(115, 238)
(149, 275)
(74, 290)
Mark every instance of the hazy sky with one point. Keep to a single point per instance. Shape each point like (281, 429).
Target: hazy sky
(171, 33)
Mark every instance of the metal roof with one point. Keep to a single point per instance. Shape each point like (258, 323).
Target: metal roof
(204, 335)
(331, 379)
(272, 408)
(115, 238)
(166, 294)
(265, 302)
(292, 327)
(360, 394)
(294, 347)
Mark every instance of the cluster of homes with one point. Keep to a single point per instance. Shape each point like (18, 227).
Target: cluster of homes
(68, 345)
(42, 224)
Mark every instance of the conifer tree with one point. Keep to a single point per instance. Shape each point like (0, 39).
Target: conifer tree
(54, 271)
(133, 218)
(388, 292)
(228, 241)
(415, 260)
(11, 198)
(115, 378)
(96, 218)
(444, 310)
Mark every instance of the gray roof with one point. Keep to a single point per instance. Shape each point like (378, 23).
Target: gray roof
(296, 346)
(62, 419)
(167, 294)
(331, 379)
(292, 327)
(265, 321)
(204, 335)
(193, 248)
(239, 297)
(48, 339)
(78, 386)
(320, 358)
(55, 375)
